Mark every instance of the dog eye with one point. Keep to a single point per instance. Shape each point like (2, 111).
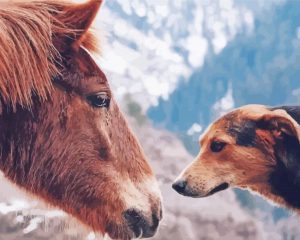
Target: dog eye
(99, 100)
(217, 146)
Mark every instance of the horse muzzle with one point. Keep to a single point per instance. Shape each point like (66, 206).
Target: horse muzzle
(140, 225)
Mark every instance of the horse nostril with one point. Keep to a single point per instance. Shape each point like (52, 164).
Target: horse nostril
(132, 216)
(139, 225)
(180, 186)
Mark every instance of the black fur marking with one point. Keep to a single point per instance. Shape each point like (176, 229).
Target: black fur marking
(285, 179)
(293, 111)
(243, 132)
(219, 188)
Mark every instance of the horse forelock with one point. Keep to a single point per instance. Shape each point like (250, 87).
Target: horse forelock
(29, 56)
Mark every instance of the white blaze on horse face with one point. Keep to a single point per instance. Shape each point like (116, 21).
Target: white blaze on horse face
(134, 197)
(141, 195)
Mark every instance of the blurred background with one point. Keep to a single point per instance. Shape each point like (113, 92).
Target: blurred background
(175, 66)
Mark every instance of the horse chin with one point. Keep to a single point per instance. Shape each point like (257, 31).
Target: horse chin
(119, 233)
(124, 236)
(107, 236)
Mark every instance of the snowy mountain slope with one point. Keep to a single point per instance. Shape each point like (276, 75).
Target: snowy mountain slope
(152, 45)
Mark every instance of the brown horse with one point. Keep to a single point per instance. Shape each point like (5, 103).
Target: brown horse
(62, 135)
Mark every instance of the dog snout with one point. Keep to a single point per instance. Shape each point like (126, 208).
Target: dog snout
(141, 225)
(183, 188)
(180, 186)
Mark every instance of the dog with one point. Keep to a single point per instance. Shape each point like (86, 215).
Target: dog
(254, 147)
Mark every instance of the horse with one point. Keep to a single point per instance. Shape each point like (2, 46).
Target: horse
(63, 138)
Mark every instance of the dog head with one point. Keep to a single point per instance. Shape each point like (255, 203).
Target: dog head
(245, 148)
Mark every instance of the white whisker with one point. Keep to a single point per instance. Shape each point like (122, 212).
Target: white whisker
(141, 234)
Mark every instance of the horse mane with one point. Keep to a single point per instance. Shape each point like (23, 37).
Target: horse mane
(28, 55)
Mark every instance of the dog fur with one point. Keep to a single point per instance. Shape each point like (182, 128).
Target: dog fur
(260, 151)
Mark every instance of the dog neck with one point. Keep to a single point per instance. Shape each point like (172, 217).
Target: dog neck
(267, 191)
(284, 180)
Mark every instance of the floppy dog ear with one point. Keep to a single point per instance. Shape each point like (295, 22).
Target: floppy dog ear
(279, 122)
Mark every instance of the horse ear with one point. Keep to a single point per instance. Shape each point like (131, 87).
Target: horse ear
(78, 18)
(279, 122)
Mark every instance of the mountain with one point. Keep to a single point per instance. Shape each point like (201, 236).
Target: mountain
(261, 67)
(152, 45)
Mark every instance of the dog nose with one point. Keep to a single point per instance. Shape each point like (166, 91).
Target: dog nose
(180, 186)
(140, 226)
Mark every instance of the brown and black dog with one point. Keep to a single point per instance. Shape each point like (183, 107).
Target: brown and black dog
(254, 147)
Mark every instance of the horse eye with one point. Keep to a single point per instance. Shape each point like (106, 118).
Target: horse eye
(217, 146)
(99, 100)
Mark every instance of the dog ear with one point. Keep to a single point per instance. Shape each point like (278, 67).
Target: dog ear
(279, 122)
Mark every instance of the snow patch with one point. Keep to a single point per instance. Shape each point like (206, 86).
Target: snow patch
(194, 129)
(225, 104)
